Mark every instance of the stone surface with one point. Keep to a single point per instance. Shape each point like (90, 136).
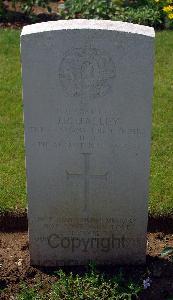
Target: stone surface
(87, 90)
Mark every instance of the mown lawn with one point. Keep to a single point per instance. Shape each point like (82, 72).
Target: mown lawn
(12, 166)
(12, 172)
(161, 183)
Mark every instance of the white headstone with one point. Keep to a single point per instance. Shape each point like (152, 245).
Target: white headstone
(87, 90)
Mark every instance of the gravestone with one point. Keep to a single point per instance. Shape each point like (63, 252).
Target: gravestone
(87, 91)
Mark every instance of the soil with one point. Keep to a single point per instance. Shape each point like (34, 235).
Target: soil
(13, 221)
(16, 19)
(15, 267)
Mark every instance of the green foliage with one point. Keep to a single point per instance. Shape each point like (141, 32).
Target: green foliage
(29, 293)
(167, 251)
(91, 286)
(139, 3)
(164, 7)
(94, 286)
(143, 15)
(133, 12)
(27, 6)
(90, 9)
(146, 12)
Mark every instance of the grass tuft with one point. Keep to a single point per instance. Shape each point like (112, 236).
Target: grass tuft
(90, 286)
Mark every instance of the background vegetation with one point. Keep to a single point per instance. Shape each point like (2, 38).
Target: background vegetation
(157, 13)
(141, 12)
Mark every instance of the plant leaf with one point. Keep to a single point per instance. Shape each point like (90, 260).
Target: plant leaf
(167, 251)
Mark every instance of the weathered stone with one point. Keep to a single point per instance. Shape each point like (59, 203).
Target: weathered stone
(87, 90)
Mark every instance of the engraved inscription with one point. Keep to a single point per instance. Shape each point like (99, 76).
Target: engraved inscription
(86, 177)
(86, 72)
(124, 224)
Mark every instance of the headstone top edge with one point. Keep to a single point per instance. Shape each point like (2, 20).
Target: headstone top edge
(88, 24)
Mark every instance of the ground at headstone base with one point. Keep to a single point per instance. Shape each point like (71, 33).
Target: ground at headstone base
(15, 268)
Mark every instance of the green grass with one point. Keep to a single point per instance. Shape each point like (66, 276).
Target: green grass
(161, 183)
(12, 172)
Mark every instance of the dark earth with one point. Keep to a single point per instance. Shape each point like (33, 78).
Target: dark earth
(15, 266)
(16, 19)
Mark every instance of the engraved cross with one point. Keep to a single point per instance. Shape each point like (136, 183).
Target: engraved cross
(86, 176)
